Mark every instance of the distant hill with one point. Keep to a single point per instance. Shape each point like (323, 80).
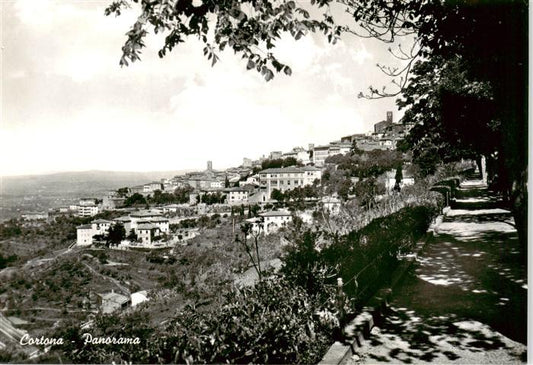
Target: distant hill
(82, 183)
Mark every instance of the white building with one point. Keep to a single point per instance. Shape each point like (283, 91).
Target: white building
(288, 178)
(87, 210)
(87, 207)
(146, 232)
(139, 297)
(84, 235)
(339, 148)
(86, 232)
(173, 208)
(270, 222)
(147, 217)
(237, 196)
(320, 153)
(101, 226)
(161, 223)
(251, 180)
(142, 216)
(145, 224)
(302, 155)
(151, 187)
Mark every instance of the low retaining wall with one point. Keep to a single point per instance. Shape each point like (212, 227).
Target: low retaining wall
(360, 327)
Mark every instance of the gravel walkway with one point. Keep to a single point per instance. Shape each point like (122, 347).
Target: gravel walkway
(465, 299)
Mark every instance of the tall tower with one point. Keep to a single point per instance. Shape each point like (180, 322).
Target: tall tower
(389, 117)
(209, 165)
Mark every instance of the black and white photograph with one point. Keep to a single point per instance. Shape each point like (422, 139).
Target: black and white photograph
(337, 182)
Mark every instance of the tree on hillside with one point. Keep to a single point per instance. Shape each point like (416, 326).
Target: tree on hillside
(135, 199)
(367, 191)
(289, 161)
(182, 194)
(398, 177)
(277, 195)
(161, 197)
(132, 236)
(279, 162)
(123, 192)
(116, 234)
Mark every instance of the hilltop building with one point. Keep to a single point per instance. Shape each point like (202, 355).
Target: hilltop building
(246, 162)
(287, 178)
(321, 153)
(274, 155)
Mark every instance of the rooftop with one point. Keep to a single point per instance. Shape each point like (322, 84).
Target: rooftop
(150, 220)
(289, 169)
(275, 213)
(101, 221)
(115, 297)
(123, 219)
(147, 226)
(144, 214)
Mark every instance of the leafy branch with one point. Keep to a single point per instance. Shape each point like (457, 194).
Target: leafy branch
(250, 28)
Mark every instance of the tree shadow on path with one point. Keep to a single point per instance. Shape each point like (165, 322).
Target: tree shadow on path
(405, 337)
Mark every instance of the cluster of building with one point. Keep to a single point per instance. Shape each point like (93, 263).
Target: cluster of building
(146, 225)
(238, 186)
(385, 136)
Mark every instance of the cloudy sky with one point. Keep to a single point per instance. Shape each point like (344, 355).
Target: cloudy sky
(67, 105)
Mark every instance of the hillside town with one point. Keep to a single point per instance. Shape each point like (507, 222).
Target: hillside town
(219, 191)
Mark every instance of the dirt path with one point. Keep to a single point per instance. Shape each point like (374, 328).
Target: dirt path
(114, 281)
(465, 300)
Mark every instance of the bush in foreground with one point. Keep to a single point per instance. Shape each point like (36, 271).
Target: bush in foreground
(273, 322)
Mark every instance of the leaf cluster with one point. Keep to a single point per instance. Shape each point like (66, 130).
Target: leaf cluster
(248, 27)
